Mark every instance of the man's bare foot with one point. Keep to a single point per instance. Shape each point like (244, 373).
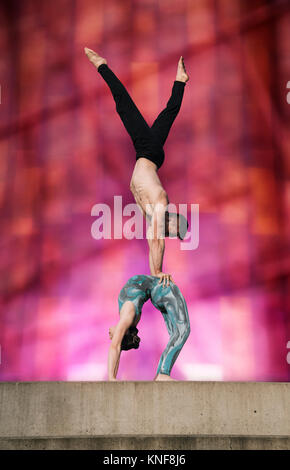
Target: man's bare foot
(164, 378)
(94, 57)
(181, 74)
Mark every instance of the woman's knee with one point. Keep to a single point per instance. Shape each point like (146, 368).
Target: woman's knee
(185, 334)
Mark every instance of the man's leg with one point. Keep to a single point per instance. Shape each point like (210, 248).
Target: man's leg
(135, 124)
(130, 115)
(165, 119)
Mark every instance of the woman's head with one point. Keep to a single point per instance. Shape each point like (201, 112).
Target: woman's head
(130, 340)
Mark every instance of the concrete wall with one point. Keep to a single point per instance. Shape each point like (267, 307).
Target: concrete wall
(98, 414)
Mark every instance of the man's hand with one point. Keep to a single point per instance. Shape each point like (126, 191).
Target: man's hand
(165, 279)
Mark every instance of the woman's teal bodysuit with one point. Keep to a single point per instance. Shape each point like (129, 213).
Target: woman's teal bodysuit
(171, 303)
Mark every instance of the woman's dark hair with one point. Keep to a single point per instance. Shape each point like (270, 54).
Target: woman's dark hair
(130, 340)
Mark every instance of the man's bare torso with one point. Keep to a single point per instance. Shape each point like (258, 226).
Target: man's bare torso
(146, 186)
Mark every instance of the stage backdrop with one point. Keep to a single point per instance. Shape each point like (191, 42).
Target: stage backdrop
(64, 149)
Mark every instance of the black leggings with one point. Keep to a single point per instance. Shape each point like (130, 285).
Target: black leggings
(148, 142)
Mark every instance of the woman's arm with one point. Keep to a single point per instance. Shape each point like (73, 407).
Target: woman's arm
(127, 316)
(113, 362)
(117, 365)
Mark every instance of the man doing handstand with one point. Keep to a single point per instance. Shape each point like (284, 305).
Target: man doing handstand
(148, 142)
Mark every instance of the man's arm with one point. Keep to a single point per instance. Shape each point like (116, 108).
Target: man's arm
(115, 346)
(156, 253)
(156, 242)
(153, 270)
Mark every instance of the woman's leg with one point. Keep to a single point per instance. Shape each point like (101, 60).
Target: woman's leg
(130, 115)
(165, 119)
(179, 332)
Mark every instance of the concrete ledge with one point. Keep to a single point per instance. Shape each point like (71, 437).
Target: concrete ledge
(149, 443)
(219, 414)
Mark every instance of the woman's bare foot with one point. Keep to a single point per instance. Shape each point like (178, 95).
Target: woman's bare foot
(181, 74)
(163, 378)
(94, 57)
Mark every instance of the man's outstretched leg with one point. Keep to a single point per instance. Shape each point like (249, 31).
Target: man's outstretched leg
(130, 115)
(165, 119)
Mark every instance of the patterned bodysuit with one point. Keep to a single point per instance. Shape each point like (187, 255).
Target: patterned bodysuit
(171, 303)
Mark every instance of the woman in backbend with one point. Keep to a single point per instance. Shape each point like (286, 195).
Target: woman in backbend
(171, 303)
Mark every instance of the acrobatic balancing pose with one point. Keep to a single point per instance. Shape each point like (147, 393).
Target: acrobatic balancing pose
(145, 184)
(171, 303)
